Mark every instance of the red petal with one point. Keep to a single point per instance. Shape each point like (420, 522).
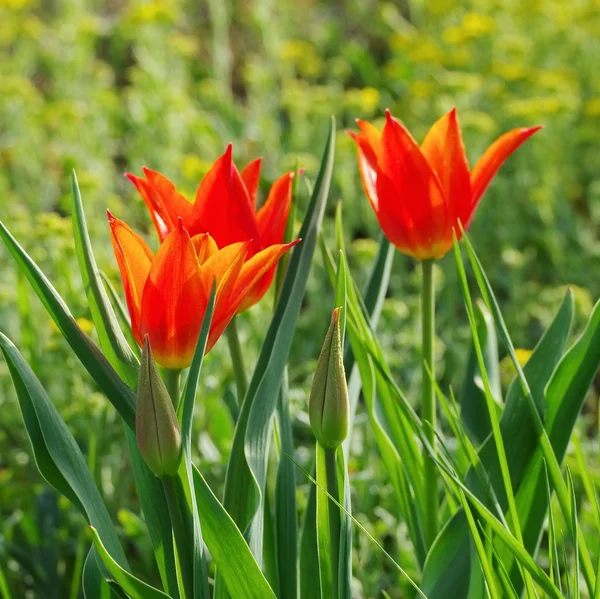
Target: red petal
(225, 267)
(134, 258)
(418, 199)
(248, 289)
(174, 301)
(493, 158)
(272, 217)
(174, 204)
(444, 149)
(251, 178)
(154, 205)
(223, 207)
(368, 143)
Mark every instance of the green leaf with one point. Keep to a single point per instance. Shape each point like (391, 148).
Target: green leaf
(518, 432)
(581, 361)
(474, 411)
(200, 576)
(119, 394)
(112, 341)
(238, 567)
(120, 356)
(134, 587)
(309, 558)
(345, 560)
(247, 467)
(286, 522)
(93, 584)
(57, 454)
(121, 312)
(520, 553)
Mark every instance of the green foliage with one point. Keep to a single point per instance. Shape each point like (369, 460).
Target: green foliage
(107, 87)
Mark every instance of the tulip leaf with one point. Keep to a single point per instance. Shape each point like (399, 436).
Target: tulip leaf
(247, 467)
(200, 576)
(93, 584)
(57, 454)
(286, 523)
(123, 360)
(112, 341)
(474, 413)
(238, 568)
(446, 572)
(134, 587)
(576, 369)
(121, 312)
(119, 394)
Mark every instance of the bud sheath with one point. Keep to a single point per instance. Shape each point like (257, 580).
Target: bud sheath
(156, 424)
(328, 404)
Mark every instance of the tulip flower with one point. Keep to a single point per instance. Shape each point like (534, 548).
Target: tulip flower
(224, 207)
(167, 293)
(420, 193)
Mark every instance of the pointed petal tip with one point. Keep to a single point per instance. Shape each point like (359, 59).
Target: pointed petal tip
(111, 218)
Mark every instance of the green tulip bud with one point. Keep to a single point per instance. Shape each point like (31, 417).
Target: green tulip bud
(328, 404)
(156, 426)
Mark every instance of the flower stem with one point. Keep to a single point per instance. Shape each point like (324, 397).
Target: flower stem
(181, 531)
(428, 398)
(334, 516)
(237, 359)
(172, 381)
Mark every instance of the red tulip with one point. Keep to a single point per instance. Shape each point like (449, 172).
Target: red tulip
(224, 207)
(419, 194)
(167, 294)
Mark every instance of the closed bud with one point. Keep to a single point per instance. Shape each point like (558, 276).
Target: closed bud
(156, 424)
(328, 404)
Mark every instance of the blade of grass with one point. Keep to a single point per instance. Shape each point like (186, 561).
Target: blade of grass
(247, 467)
(491, 406)
(565, 377)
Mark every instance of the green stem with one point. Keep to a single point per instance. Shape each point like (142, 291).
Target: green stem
(182, 528)
(334, 517)
(172, 381)
(428, 398)
(237, 359)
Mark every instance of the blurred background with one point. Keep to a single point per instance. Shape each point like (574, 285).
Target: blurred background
(107, 86)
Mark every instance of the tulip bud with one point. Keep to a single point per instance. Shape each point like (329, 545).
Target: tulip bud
(328, 404)
(156, 424)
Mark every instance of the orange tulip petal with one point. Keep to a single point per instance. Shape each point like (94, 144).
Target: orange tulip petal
(223, 207)
(134, 258)
(174, 301)
(272, 217)
(251, 178)
(174, 204)
(249, 287)
(154, 205)
(493, 158)
(368, 143)
(418, 191)
(205, 247)
(444, 149)
(224, 267)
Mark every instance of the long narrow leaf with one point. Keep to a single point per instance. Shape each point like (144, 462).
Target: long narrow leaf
(123, 360)
(200, 576)
(246, 471)
(119, 394)
(134, 587)
(57, 454)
